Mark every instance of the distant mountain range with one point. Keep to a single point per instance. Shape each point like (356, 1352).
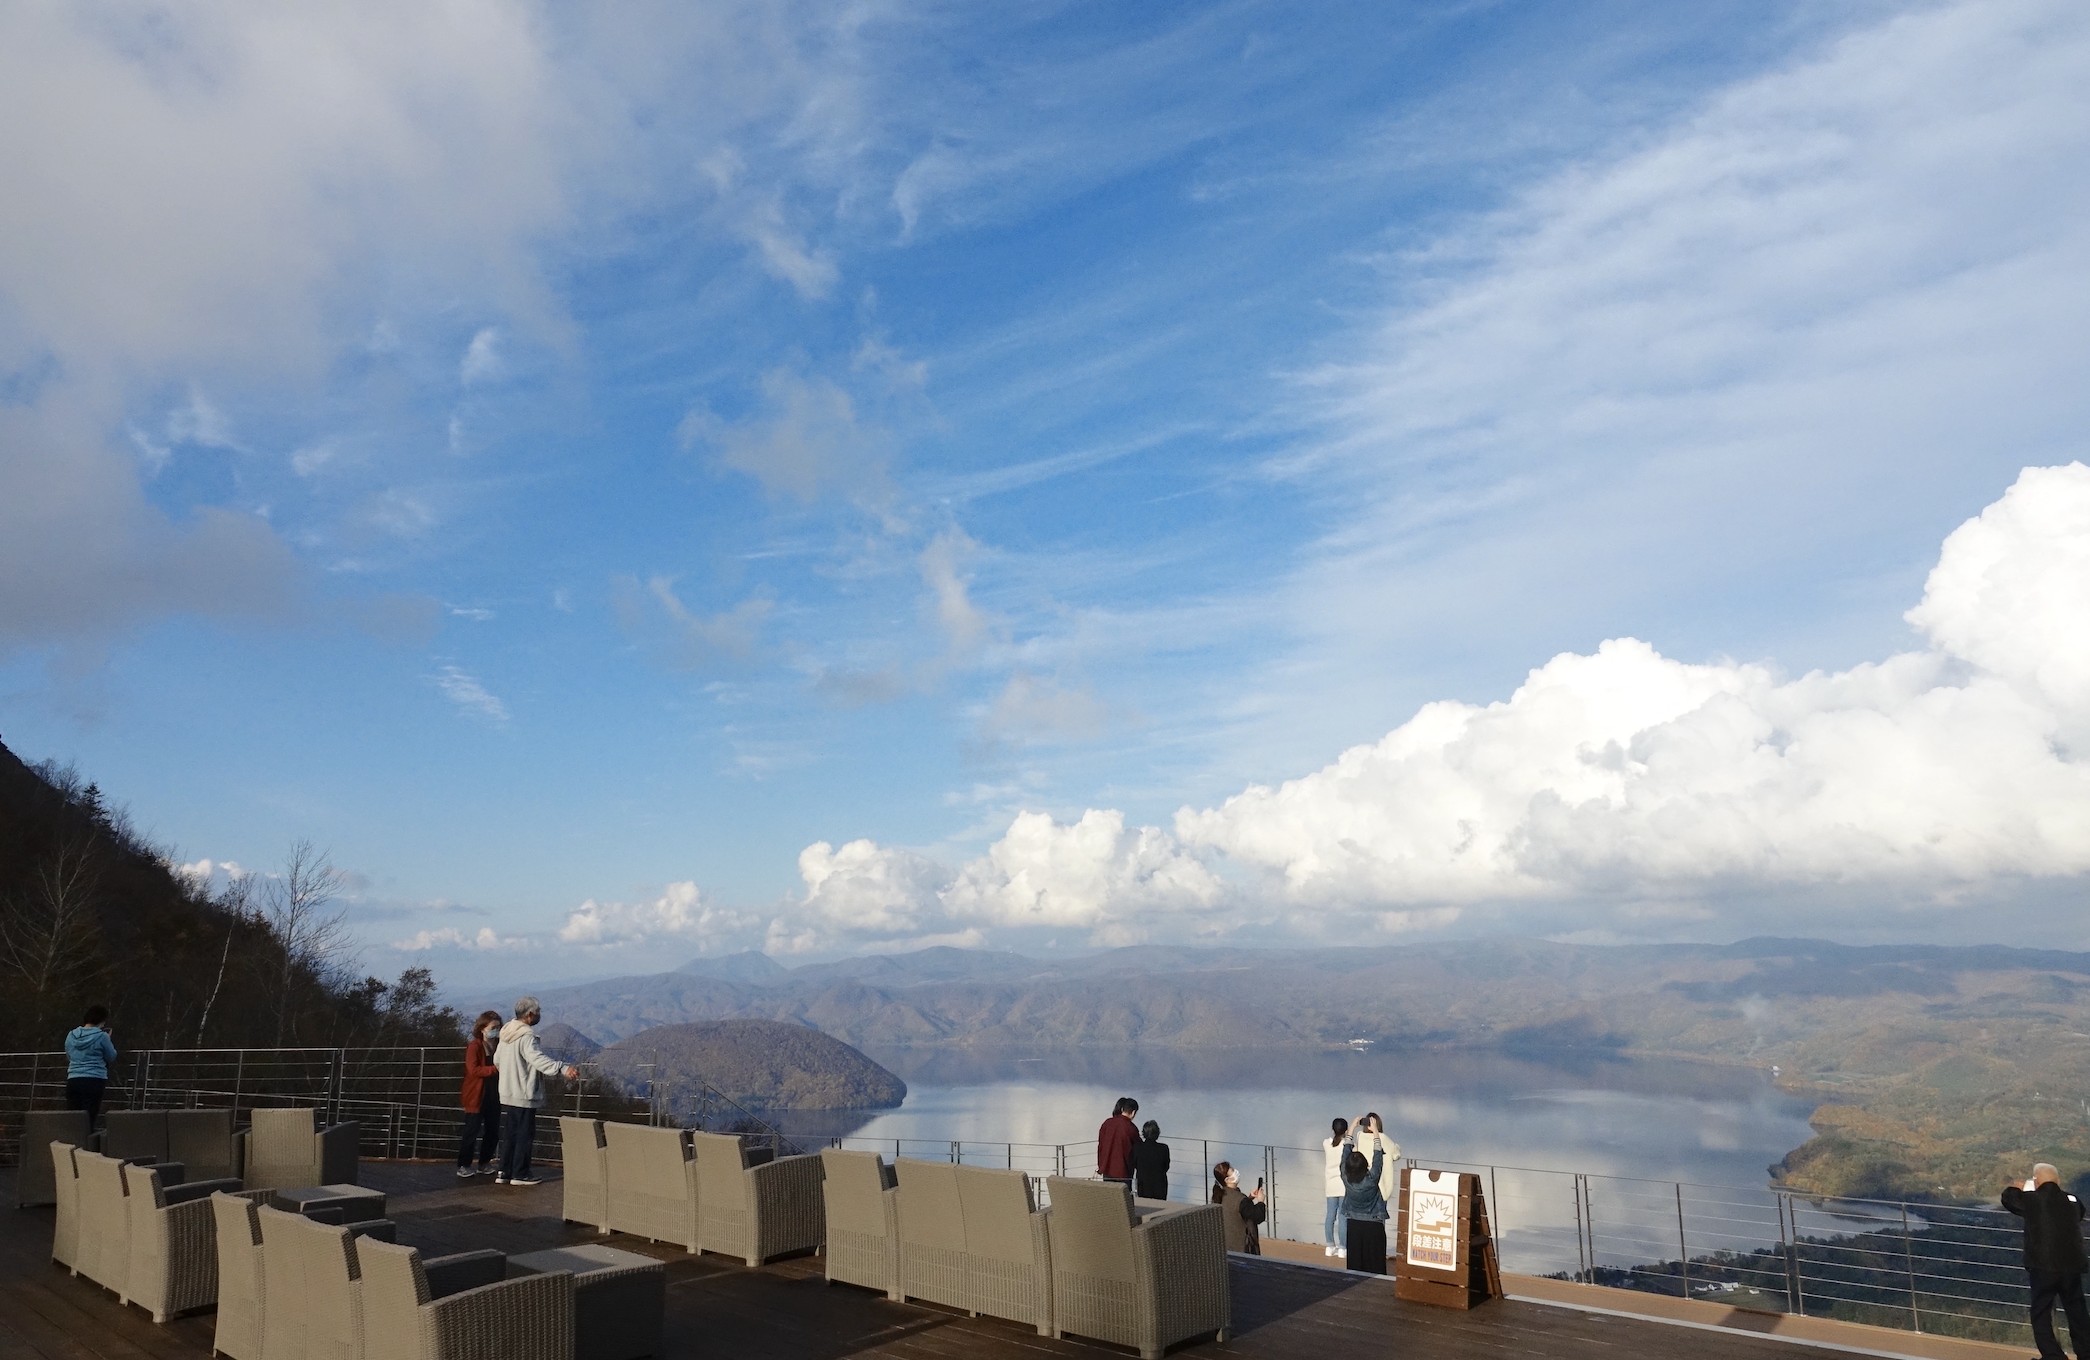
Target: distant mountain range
(1936, 1066)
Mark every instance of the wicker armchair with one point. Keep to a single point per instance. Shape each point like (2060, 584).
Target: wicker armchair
(932, 1234)
(857, 1190)
(103, 1250)
(65, 1182)
(240, 1292)
(459, 1308)
(1147, 1285)
(34, 1183)
(755, 1209)
(283, 1149)
(173, 1243)
(586, 1180)
(652, 1183)
(1008, 1246)
(312, 1305)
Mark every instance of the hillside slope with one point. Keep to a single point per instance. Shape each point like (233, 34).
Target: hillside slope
(90, 912)
(762, 1064)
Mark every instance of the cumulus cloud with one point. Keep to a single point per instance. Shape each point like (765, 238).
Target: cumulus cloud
(1621, 779)
(868, 890)
(483, 940)
(680, 912)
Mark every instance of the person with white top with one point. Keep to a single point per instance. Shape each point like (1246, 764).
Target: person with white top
(1332, 1149)
(522, 1065)
(1371, 1134)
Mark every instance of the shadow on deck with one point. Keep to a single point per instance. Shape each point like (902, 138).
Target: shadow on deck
(787, 1311)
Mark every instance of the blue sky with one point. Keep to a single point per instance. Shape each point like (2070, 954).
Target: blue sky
(634, 482)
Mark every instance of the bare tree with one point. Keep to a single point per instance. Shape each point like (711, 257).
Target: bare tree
(47, 932)
(238, 902)
(299, 907)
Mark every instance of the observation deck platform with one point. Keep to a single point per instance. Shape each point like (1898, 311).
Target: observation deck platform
(717, 1307)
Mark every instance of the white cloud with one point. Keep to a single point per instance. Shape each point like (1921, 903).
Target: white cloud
(1628, 772)
(864, 889)
(1633, 784)
(1670, 387)
(806, 441)
(463, 689)
(943, 566)
(1094, 873)
(684, 639)
(484, 940)
(482, 362)
(680, 912)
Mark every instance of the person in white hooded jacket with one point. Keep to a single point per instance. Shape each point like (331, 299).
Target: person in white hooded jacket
(522, 1066)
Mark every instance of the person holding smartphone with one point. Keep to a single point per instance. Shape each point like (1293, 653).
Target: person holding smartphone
(1241, 1214)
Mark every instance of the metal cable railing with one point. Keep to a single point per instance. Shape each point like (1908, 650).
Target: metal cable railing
(1931, 1268)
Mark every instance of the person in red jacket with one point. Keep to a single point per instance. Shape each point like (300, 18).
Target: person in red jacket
(481, 1098)
(1114, 1142)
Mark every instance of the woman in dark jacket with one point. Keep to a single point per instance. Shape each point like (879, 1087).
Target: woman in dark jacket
(1242, 1215)
(1364, 1207)
(1150, 1163)
(481, 1098)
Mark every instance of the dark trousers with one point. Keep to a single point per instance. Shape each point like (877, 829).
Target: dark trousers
(1366, 1245)
(482, 1129)
(85, 1093)
(2047, 1287)
(518, 1131)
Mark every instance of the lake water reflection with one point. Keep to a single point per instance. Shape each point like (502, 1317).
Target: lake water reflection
(1657, 1120)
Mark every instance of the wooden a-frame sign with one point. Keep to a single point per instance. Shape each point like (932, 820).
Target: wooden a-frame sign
(1447, 1249)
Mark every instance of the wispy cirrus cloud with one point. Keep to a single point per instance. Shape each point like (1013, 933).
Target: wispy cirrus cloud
(463, 689)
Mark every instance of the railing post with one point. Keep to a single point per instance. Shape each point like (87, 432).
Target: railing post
(1908, 1254)
(420, 1098)
(1059, 1159)
(335, 1074)
(1581, 1255)
(957, 1156)
(239, 1075)
(1683, 1252)
(1270, 1190)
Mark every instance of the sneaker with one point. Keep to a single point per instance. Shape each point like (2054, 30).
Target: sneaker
(482, 1171)
(1342, 1253)
(523, 1180)
(465, 1173)
(500, 1180)
(1327, 1251)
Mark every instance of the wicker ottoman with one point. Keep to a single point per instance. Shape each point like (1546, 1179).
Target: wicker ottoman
(338, 1204)
(617, 1298)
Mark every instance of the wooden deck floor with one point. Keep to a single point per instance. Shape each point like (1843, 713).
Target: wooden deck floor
(719, 1308)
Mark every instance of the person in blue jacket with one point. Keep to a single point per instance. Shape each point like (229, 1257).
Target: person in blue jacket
(88, 1052)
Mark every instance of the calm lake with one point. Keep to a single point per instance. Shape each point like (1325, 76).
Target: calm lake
(1635, 1126)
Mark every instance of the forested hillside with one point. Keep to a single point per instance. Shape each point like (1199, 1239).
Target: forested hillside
(760, 1064)
(91, 912)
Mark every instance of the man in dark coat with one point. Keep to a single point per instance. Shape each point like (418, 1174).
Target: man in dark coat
(1114, 1142)
(2054, 1258)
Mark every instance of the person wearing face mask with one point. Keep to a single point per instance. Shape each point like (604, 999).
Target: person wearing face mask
(1242, 1214)
(480, 1098)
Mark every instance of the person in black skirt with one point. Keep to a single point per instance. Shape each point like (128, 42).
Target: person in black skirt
(1365, 1210)
(1150, 1163)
